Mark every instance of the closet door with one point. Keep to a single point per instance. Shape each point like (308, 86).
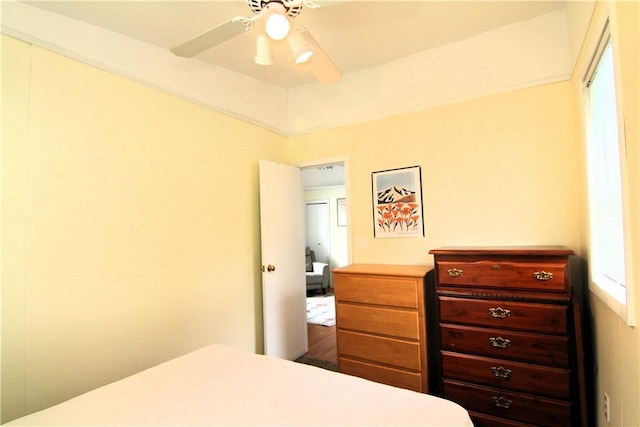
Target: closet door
(318, 229)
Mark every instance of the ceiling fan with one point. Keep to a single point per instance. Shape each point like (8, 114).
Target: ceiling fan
(272, 19)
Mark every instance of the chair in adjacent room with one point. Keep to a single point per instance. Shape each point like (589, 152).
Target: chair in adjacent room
(317, 272)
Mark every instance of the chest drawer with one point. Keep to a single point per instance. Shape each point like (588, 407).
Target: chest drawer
(387, 291)
(517, 376)
(488, 273)
(505, 314)
(377, 320)
(524, 346)
(510, 405)
(483, 420)
(384, 350)
(382, 374)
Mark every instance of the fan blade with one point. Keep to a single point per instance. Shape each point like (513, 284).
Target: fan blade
(311, 4)
(320, 64)
(211, 38)
(323, 68)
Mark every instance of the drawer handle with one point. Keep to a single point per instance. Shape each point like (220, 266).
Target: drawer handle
(495, 267)
(499, 312)
(501, 402)
(500, 342)
(501, 372)
(454, 272)
(542, 275)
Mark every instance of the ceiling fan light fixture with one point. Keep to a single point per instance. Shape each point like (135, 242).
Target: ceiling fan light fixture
(263, 51)
(277, 25)
(301, 47)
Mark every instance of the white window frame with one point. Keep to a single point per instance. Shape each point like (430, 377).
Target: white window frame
(619, 299)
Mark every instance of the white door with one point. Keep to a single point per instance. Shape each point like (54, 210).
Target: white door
(318, 229)
(283, 276)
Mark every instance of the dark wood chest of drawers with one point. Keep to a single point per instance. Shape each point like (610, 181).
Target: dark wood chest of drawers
(509, 335)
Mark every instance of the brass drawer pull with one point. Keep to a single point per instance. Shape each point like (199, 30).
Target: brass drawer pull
(501, 402)
(500, 342)
(495, 267)
(454, 272)
(499, 312)
(542, 275)
(501, 372)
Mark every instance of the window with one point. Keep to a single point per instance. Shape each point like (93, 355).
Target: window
(605, 169)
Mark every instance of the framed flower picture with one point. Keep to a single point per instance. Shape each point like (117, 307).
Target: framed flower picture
(397, 203)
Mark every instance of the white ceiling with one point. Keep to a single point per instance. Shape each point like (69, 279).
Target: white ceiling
(329, 175)
(356, 34)
(395, 56)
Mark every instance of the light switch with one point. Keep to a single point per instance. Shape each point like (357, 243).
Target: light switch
(362, 242)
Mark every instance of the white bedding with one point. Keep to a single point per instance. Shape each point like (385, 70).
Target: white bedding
(220, 385)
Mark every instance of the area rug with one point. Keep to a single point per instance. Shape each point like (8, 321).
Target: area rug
(324, 364)
(321, 310)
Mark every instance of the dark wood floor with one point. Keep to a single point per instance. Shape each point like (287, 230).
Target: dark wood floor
(322, 341)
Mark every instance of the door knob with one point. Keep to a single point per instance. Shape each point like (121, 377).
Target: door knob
(270, 268)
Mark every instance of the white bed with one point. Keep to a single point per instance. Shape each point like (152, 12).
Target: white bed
(221, 385)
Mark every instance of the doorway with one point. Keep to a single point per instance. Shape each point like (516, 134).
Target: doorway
(326, 234)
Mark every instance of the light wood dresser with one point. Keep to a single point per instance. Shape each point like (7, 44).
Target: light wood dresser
(380, 320)
(510, 335)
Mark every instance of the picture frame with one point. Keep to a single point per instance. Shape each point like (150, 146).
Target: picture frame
(341, 205)
(397, 203)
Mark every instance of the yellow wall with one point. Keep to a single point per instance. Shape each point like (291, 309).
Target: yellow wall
(499, 170)
(617, 345)
(124, 209)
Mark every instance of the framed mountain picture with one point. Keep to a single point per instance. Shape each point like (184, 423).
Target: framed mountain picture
(397, 203)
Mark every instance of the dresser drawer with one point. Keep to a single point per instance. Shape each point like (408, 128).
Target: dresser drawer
(549, 276)
(383, 374)
(505, 314)
(517, 376)
(522, 407)
(387, 291)
(524, 346)
(483, 420)
(389, 351)
(377, 320)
